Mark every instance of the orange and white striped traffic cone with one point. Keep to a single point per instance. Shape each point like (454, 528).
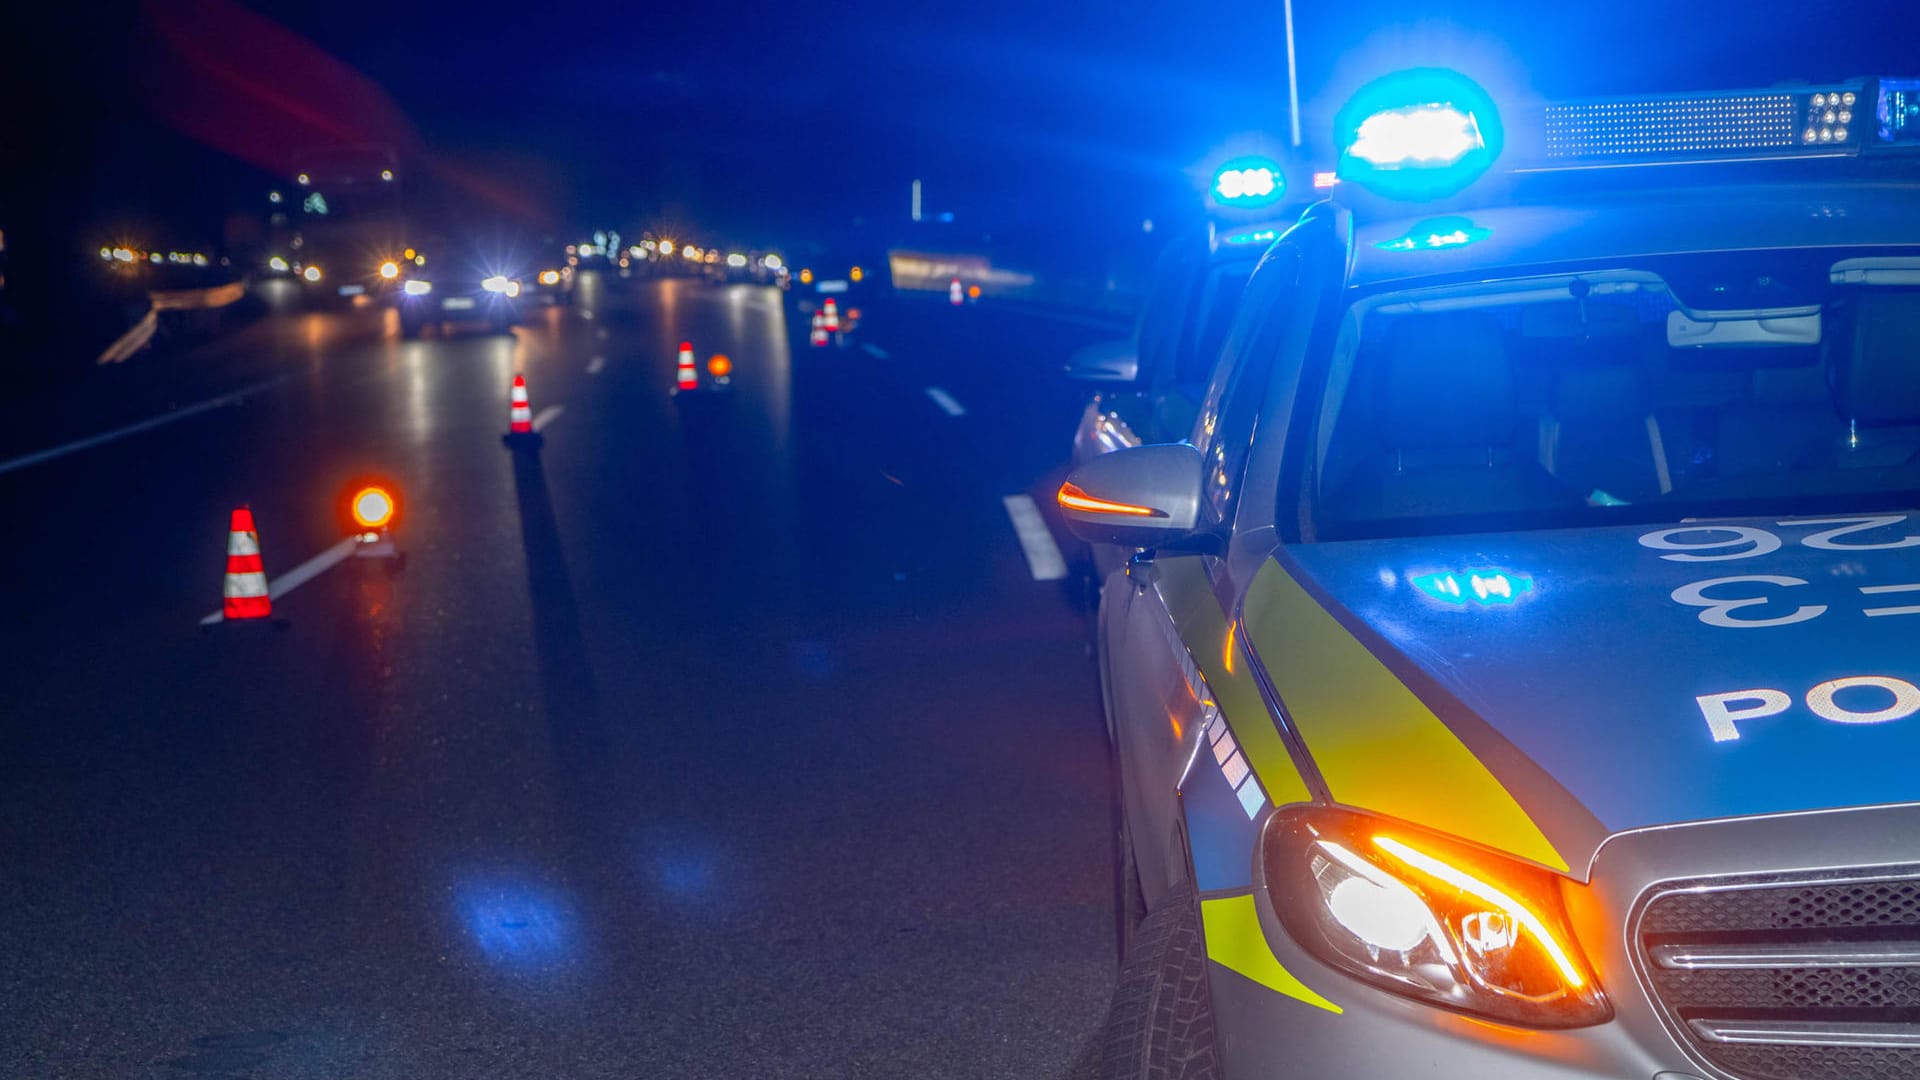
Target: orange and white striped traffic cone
(520, 433)
(685, 375)
(245, 587)
(817, 337)
(955, 294)
(831, 314)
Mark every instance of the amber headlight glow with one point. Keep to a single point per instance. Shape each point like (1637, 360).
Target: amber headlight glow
(1432, 918)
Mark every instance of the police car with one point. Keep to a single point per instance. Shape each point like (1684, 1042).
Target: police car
(1152, 382)
(1519, 674)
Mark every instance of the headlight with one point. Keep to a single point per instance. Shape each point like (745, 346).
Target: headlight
(389, 270)
(418, 288)
(277, 263)
(1431, 918)
(496, 283)
(549, 277)
(513, 289)
(311, 273)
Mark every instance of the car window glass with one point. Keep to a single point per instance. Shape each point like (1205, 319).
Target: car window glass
(1566, 399)
(1224, 428)
(1213, 314)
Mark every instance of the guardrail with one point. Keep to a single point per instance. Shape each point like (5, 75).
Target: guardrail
(192, 303)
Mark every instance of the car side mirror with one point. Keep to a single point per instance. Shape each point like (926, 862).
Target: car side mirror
(1106, 362)
(1139, 496)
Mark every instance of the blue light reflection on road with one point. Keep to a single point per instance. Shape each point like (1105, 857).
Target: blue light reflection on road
(519, 926)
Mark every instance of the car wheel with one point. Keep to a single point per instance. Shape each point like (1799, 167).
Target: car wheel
(1161, 1024)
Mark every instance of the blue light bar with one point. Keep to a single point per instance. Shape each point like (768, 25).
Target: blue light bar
(1249, 181)
(1898, 111)
(1841, 120)
(1420, 134)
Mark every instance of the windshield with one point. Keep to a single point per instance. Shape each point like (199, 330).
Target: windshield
(1716, 384)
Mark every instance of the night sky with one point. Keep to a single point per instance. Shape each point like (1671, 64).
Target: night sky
(750, 122)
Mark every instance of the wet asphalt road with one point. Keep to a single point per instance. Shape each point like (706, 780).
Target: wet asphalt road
(724, 741)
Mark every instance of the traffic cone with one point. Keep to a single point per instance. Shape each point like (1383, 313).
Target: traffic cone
(955, 295)
(685, 375)
(832, 316)
(245, 587)
(520, 433)
(818, 336)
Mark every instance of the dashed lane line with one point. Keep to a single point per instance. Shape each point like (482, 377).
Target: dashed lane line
(946, 402)
(1036, 540)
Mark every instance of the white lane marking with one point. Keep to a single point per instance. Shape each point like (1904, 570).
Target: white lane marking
(875, 351)
(945, 401)
(134, 429)
(596, 365)
(301, 574)
(1036, 540)
(133, 340)
(547, 416)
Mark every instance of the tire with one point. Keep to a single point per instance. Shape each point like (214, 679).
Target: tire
(1161, 1024)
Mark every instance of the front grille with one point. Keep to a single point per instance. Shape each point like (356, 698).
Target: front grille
(1775, 979)
(1772, 979)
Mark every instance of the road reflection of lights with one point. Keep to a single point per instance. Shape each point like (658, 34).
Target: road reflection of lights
(420, 414)
(509, 358)
(517, 925)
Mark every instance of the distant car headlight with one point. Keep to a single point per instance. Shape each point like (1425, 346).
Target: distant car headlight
(277, 264)
(549, 277)
(1430, 918)
(418, 288)
(311, 273)
(500, 283)
(389, 269)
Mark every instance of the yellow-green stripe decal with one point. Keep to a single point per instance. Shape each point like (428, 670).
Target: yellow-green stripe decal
(1235, 942)
(1228, 669)
(1376, 744)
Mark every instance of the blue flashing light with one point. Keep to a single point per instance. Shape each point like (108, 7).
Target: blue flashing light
(1249, 181)
(1898, 111)
(1425, 133)
(1481, 588)
(1435, 234)
(1258, 236)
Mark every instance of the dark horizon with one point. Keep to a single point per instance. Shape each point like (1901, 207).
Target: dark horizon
(750, 126)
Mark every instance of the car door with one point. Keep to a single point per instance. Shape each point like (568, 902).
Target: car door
(1170, 661)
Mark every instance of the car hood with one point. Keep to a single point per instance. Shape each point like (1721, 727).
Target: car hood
(1621, 663)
